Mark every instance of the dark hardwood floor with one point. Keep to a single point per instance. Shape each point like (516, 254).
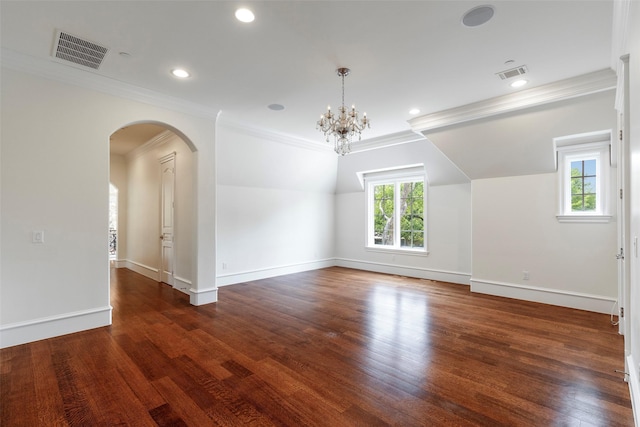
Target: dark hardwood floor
(333, 347)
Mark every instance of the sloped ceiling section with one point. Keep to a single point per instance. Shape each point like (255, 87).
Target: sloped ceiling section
(439, 169)
(521, 142)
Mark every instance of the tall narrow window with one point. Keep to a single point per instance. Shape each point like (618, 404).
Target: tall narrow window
(583, 176)
(396, 212)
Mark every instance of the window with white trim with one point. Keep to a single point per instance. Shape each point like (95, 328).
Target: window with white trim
(584, 177)
(396, 210)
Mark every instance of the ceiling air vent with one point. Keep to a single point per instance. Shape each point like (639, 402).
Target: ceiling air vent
(78, 51)
(513, 72)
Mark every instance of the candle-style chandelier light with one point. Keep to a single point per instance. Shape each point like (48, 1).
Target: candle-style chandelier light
(344, 125)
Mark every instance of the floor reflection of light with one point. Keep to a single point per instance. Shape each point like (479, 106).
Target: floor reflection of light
(581, 402)
(398, 329)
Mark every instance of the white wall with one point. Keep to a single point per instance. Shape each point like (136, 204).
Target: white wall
(448, 218)
(515, 229)
(143, 214)
(275, 205)
(55, 174)
(118, 177)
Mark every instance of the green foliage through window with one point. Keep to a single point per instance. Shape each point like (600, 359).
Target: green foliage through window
(406, 200)
(583, 185)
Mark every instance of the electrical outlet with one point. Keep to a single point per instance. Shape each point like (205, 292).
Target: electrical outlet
(224, 265)
(525, 275)
(37, 236)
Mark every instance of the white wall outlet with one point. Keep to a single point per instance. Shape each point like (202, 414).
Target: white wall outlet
(525, 275)
(37, 236)
(224, 265)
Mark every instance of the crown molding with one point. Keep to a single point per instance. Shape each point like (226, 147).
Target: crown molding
(585, 84)
(154, 142)
(89, 80)
(270, 135)
(383, 141)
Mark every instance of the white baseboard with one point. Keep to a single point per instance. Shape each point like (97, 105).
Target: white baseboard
(633, 369)
(53, 326)
(120, 263)
(145, 270)
(418, 272)
(596, 303)
(203, 296)
(181, 284)
(265, 273)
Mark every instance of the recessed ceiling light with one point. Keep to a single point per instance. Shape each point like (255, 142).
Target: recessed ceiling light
(180, 73)
(519, 83)
(478, 16)
(275, 107)
(244, 15)
(414, 111)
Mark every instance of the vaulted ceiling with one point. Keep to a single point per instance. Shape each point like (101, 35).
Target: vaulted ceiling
(403, 54)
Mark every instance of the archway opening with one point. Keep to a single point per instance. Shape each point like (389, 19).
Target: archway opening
(138, 154)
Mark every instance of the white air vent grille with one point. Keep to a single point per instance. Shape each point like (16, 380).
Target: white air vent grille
(82, 52)
(513, 72)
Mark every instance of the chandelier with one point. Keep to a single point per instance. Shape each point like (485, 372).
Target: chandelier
(344, 125)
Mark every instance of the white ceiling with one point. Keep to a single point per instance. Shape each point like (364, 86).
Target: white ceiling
(403, 54)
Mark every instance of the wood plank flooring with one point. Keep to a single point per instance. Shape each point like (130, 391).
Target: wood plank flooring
(333, 347)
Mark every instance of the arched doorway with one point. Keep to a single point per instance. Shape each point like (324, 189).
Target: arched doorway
(138, 154)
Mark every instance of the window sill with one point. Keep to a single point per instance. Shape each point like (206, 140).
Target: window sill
(411, 252)
(585, 218)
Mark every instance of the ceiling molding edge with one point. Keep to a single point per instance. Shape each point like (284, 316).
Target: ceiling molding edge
(88, 80)
(585, 84)
(270, 135)
(154, 142)
(383, 141)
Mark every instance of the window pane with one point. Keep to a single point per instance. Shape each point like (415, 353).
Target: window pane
(576, 168)
(576, 185)
(590, 167)
(590, 202)
(577, 203)
(417, 223)
(418, 239)
(383, 214)
(590, 185)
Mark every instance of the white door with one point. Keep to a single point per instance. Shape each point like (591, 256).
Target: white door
(623, 208)
(168, 168)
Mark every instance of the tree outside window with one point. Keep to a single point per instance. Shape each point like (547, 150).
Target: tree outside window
(397, 212)
(583, 185)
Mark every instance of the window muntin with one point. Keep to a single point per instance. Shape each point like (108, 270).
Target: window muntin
(396, 214)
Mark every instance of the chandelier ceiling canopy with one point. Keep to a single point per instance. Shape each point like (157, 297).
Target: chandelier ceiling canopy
(344, 125)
